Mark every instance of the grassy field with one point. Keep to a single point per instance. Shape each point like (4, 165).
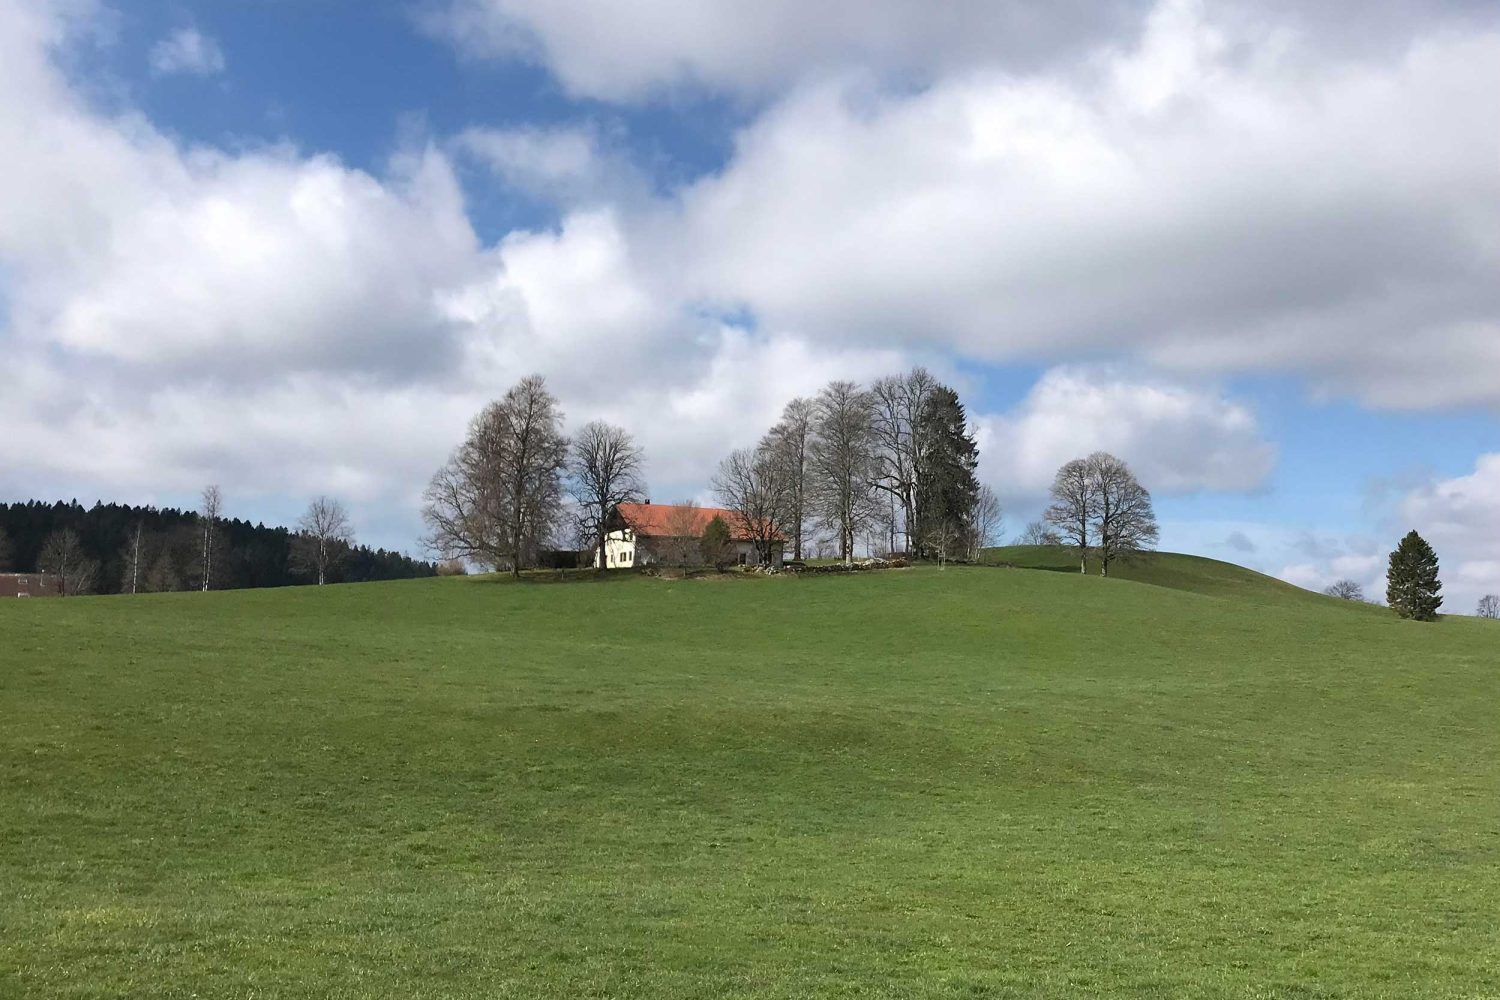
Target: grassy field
(977, 782)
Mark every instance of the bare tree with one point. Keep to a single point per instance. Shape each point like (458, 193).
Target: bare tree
(792, 438)
(985, 524)
(757, 486)
(941, 539)
(133, 576)
(843, 463)
(1037, 533)
(604, 467)
(209, 510)
(897, 405)
(500, 494)
(1489, 606)
(1346, 590)
(1125, 521)
(63, 556)
(163, 577)
(1075, 502)
(681, 543)
(324, 535)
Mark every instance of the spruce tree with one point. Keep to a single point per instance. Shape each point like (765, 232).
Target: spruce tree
(1412, 585)
(716, 542)
(947, 488)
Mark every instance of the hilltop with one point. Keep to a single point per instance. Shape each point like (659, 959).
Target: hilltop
(1172, 570)
(957, 783)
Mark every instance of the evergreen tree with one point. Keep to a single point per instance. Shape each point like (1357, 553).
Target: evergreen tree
(947, 488)
(170, 555)
(715, 542)
(1412, 585)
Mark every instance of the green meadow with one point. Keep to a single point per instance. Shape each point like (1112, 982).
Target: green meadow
(1184, 781)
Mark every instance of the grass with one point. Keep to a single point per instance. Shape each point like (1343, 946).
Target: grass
(1165, 569)
(964, 783)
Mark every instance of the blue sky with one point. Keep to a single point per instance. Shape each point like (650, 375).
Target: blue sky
(291, 247)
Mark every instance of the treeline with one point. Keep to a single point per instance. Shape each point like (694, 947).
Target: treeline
(890, 467)
(116, 548)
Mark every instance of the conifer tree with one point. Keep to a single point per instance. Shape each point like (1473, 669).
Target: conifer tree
(716, 542)
(947, 488)
(1412, 585)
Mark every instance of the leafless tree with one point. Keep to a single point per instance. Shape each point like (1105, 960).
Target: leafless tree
(1346, 590)
(942, 539)
(163, 577)
(1125, 522)
(756, 485)
(500, 494)
(984, 527)
(843, 463)
(324, 535)
(604, 471)
(1489, 606)
(1037, 533)
(792, 438)
(134, 554)
(1075, 502)
(897, 404)
(681, 544)
(209, 510)
(63, 556)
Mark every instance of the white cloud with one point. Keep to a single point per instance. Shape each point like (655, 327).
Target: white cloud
(640, 51)
(1177, 438)
(570, 165)
(1206, 201)
(1214, 195)
(615, 51)
(187, 51)
(284, 324)
(1460, 517)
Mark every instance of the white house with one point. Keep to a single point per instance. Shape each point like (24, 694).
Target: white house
(645, 533)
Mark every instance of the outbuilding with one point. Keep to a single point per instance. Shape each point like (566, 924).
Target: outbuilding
(30, 585)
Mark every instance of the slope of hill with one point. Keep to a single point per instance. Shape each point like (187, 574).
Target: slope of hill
(1164, 569)
(961, 783)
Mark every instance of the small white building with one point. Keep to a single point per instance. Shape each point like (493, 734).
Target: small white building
(643, 534)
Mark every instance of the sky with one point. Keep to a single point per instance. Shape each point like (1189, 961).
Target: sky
(291, 247)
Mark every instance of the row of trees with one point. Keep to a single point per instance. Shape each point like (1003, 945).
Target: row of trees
(895, 460)
(113, 548)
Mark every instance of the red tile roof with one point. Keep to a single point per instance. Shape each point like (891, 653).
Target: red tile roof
(665, 520)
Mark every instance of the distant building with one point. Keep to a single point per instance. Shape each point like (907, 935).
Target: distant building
(30, 585)
(642, 534)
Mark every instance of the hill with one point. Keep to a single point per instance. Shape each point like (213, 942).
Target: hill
(1162, 569)
(972, 782)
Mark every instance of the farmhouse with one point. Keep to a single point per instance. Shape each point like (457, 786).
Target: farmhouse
(30, 585)
(641, 534)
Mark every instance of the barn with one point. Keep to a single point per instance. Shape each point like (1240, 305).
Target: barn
(643, 534)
